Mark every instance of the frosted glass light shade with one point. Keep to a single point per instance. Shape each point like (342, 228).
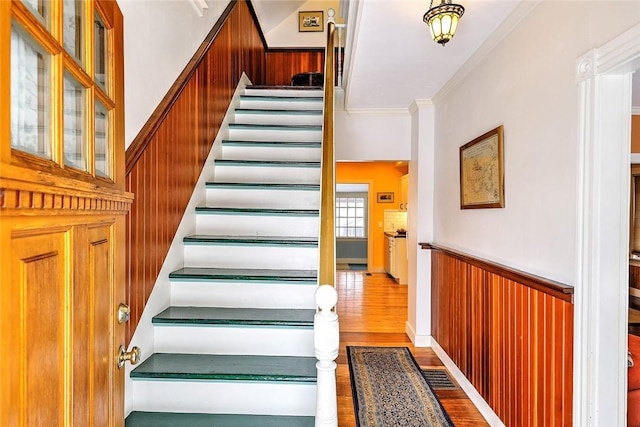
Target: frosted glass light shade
(443, 21)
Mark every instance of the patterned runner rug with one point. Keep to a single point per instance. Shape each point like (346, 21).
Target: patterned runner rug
(389, 389)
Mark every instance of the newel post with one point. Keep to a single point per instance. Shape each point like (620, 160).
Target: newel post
(327, 344)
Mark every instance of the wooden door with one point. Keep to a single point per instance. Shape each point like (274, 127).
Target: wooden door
(62, 208)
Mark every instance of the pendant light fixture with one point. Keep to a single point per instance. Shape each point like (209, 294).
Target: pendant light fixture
(443, 20)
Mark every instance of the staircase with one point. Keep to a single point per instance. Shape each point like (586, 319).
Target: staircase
(236, 346)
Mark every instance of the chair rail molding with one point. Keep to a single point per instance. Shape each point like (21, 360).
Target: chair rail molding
(604, 79)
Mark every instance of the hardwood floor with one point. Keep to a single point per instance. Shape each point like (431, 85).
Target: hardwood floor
(372, 311)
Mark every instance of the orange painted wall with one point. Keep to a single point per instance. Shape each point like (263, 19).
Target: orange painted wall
(635, 134)
(381, 177)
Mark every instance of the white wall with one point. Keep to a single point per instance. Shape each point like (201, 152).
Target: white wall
(372, 136)
(286, 34)
(157, 48)
(527, 84)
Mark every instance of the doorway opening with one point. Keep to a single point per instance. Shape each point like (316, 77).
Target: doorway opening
(352, 224)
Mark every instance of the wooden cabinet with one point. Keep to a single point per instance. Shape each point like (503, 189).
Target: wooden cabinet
(62, 208)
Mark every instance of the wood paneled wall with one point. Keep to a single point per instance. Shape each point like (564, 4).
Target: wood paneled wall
(634, 276)
(165, 160)
(510, 333)
(283, 63)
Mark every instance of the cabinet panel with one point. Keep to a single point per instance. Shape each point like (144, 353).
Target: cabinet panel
(39, 266)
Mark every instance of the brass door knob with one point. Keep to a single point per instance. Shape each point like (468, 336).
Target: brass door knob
(132, 356)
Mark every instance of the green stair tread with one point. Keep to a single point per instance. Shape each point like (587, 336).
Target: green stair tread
(254, 240)
(278, 112)
(174, 419)
(235, 316)
(280, 98)
(274, 126)
(225, 367)
(203, 273)
(272, 143)
(257, 211)
(260, 185)
(288, 163)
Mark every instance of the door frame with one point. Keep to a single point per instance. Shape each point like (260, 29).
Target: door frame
(603, 76)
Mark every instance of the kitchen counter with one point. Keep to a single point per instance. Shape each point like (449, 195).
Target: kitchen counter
(395, 234)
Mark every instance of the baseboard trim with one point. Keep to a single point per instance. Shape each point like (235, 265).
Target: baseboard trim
(417, 340)
(468, 388)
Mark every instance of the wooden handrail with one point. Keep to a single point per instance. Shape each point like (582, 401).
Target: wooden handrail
(327, 265)
(547, 286)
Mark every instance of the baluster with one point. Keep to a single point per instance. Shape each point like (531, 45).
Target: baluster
(327, 344)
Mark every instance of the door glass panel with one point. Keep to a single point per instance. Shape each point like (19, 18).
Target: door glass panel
(74, 123)
(73, 28)
(100, 53)
(30, 95)
(102, 141)
(39, 9)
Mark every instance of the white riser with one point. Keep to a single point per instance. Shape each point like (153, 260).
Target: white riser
(277, 119)
(284, 92)
(245, 295)
(267, 174)
(263, 198)
(304, 135)
(270, 104)
(270, 152)
(250, 225)
(273, 257)
(225, 397)
(234, 340)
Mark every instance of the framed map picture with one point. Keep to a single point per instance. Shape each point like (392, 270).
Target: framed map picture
(482, 171)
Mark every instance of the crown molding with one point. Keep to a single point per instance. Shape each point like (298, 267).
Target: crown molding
(378, 112)
(507, 26)
(200, 6)
(419, 103)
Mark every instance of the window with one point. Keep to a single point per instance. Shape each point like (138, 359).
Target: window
(351, 215)
(62, 99)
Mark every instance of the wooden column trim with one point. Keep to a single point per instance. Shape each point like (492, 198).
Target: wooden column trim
(547, 286)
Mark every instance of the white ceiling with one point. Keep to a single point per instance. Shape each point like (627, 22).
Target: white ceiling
(394, 60)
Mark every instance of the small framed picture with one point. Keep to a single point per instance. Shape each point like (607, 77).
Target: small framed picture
(385, 197)
(310, 21)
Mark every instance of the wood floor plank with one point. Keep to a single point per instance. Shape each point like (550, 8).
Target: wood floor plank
(372, 310)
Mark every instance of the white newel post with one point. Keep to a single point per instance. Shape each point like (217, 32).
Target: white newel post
(326, 343)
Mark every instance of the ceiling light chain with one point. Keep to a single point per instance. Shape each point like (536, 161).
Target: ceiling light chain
(443, 20)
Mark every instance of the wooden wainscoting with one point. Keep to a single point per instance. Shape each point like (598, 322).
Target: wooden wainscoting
(509, 332)
(283, 63)
(165, 159)
(634, 276)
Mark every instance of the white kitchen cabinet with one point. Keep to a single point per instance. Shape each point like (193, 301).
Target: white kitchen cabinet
(396, 262)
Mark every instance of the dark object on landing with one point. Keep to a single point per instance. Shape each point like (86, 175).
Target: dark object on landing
(308, 79)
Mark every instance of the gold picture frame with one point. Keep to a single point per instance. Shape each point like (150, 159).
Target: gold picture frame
(385, 197)
(310, 21)
(482, 171)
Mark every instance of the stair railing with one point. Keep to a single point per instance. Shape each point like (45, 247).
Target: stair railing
(326, 328)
